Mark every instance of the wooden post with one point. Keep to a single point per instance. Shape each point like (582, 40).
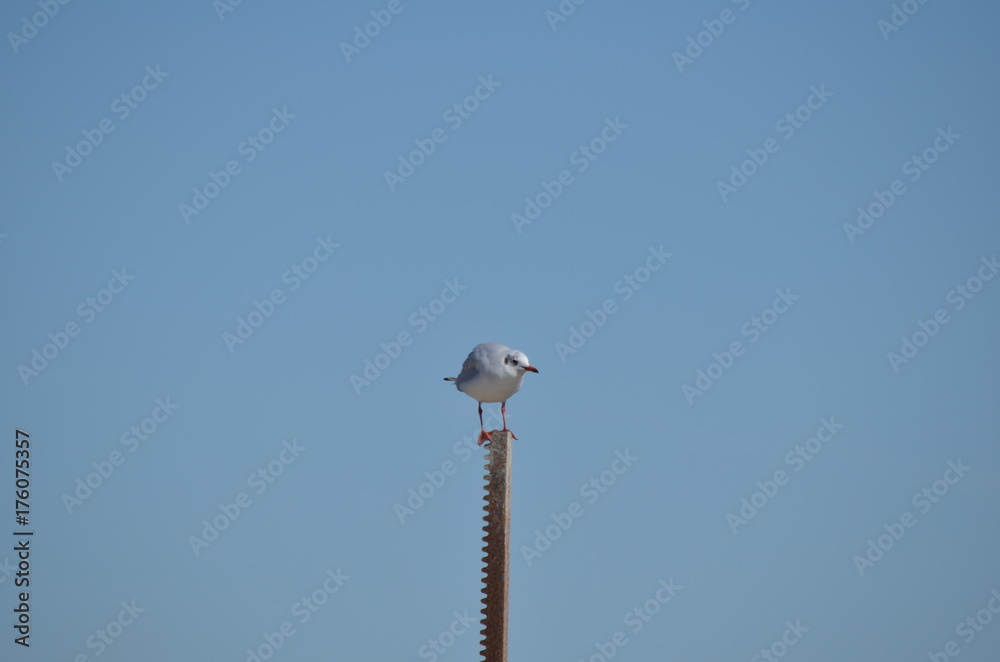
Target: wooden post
(497, 547)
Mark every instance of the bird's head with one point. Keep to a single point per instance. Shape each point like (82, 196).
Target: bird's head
(518, 361)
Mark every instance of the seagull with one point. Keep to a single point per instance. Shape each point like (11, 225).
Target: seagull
(492, 373)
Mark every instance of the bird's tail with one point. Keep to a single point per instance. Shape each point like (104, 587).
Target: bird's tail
(449, 379)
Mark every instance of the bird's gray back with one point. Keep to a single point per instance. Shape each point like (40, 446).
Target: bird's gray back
(478, 361)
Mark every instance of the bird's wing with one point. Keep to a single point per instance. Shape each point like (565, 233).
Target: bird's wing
(469, 370)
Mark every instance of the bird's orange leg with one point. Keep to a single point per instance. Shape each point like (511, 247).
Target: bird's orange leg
(483, 435)
(503, 412)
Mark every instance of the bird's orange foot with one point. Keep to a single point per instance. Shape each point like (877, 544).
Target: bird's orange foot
(484, 436)
(512, 435)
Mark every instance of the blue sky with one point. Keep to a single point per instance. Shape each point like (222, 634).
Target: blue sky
(751, 249)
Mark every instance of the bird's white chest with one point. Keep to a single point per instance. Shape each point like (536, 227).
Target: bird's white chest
(492, 388)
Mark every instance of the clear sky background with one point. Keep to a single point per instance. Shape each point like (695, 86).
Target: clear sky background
(809, 569)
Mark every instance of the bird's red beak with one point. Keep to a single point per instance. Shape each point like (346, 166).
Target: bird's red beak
(531, 368)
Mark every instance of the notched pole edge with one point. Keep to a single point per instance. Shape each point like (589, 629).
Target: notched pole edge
(497, 547)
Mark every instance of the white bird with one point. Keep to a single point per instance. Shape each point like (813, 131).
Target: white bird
(492, 373)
